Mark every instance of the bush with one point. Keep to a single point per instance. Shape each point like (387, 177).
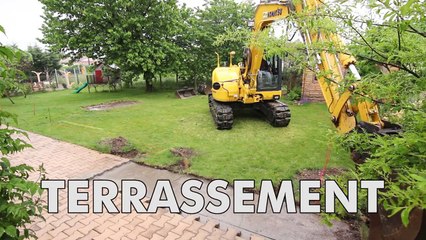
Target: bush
(19, 197)
(295, 94)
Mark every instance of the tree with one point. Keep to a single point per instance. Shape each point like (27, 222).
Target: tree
(394, 39)
(392, 34)
(135, 35)
(19, 197)
(43, 60)
(217, 17)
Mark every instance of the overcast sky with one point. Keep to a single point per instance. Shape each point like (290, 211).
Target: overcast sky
(21, 20)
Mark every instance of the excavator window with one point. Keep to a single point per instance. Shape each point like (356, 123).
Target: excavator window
(269, 77)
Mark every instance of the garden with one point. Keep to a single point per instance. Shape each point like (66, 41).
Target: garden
(379, 106)
(158, 122)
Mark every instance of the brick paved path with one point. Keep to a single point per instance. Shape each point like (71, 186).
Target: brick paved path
(65, 161)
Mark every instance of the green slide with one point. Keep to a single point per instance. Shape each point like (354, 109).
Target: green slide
(81, 88)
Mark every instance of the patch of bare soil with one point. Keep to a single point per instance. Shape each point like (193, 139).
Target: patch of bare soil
(184, 155)
(353, 233)
(121, 147)
(110, 105)
(316, 173)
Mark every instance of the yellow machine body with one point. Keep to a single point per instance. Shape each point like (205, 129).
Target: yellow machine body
(240, 84)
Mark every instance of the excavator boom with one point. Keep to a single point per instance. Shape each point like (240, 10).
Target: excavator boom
(257, 83)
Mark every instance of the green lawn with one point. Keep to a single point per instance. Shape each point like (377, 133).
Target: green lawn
(251, 150)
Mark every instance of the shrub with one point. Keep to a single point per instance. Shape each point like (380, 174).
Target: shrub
(295, 94)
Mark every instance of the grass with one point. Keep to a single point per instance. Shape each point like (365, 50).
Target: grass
(251, 150)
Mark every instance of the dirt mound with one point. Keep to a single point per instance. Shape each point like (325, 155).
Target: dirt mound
(316, 173)
(119, 146)
(110, 105)
(185, 155)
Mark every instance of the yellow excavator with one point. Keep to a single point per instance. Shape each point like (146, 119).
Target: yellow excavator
(256, 83)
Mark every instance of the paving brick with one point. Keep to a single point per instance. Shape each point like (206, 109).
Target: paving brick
(216, 234)
(148, 233)
(180, 228)
(75, 235)
(119, 224)
(147, 223)
(104, 226)
(195, 226)
(89, 218)
(135, 232)
(231, 233)
(210, 225)
(160, 222)
(74, 219)
(63, 160)
(175, 219)
(172, 236)
(59, 229)
(74, 228)
(164, 231)
(90, 226)
(60, 236)
(157, 237)
(256, 237)
(107, 233)
(118, 234)
(45, 236)
(89, 236)
(190, 219)
(187, 235)
(47, 228)
(58, 222)
(201, 235)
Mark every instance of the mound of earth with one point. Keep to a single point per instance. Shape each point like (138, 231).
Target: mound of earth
(184, 155)
(110, 105)
(121, 147)
(314, 174)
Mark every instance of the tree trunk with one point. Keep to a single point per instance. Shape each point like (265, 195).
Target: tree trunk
(148, 76)
(161, 81)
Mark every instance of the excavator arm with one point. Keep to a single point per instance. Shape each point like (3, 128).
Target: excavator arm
(343, 112)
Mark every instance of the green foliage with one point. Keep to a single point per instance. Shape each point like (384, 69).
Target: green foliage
(9, 57)
(397, 45)
(219, 17)
(43, 60)
(295, 94)
(395, 38)
(19, 196)
(167, 39)
(161, 121)
(135, 35)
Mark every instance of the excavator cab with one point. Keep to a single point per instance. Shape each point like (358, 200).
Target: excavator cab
(269, 77)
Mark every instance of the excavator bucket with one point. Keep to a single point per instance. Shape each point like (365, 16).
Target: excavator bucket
(185, 93)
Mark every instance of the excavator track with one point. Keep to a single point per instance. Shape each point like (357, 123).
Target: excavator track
(277, 113)
(222, 114)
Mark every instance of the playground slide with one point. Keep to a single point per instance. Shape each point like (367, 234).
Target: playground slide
(81, 88)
